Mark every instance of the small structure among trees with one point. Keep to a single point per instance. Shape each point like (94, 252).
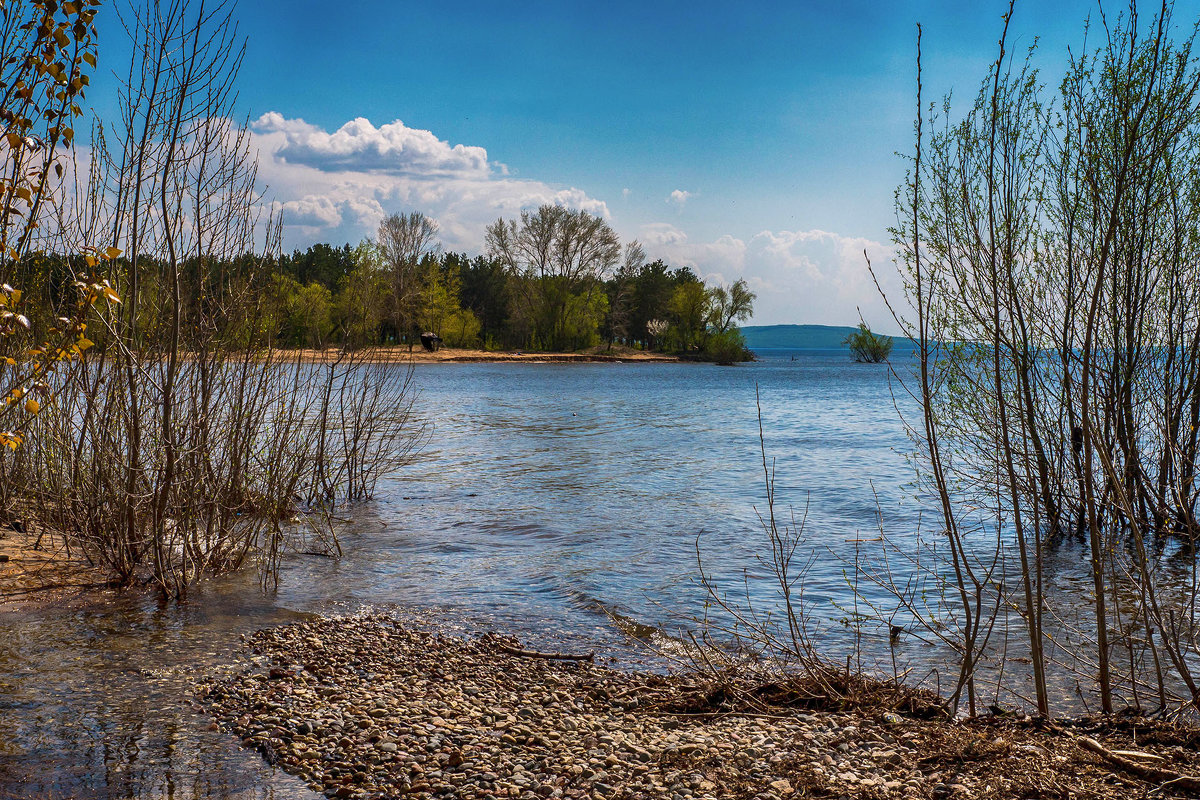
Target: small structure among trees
(867, 347)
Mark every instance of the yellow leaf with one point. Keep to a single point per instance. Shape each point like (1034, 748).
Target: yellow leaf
(112, 253)
(83, 343)
(32, 406)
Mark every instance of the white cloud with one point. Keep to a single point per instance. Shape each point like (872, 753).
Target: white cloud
(311, 212)
(813, 276)
(358, 145)
(679, 197)
(338, 186)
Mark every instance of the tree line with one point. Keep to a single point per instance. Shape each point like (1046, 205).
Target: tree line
(553, 279)
(390, 289)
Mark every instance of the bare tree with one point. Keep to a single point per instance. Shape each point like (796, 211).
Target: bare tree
(559, 256)
(404, 241)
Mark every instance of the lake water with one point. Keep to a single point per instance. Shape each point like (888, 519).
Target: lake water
(560, 502)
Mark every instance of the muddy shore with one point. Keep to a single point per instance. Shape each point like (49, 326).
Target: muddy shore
(43, 574)
(370, 707)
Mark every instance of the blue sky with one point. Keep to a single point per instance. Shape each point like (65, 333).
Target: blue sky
(750, 140)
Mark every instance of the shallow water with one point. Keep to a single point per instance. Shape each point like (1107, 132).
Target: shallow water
(561, 502)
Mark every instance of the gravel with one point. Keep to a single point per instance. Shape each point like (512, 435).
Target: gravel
(366, 707)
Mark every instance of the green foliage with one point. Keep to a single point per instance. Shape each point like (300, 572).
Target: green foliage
(375, 293)
(867, 347)
(438, 298)
(731, 305)
(307, 317)
(485, 292)
(461, 328)
(359, 304)
(690, 306)
(584, 314)
(726, 347)
(322, 263)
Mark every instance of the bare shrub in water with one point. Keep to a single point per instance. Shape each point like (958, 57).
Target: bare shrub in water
(1049, 251)
(185, 444)
(768, 652)
(1050, 256)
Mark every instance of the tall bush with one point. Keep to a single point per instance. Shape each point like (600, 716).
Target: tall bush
(1050, 252)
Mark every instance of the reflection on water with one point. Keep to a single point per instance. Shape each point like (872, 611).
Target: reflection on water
(557, 501)
(94, 702)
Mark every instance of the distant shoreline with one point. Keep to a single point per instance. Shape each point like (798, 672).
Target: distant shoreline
(447, 355)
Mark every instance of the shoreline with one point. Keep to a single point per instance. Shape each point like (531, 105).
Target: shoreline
(400, 354)
(369, 707)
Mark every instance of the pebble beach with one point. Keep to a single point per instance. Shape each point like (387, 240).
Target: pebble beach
(370, 707)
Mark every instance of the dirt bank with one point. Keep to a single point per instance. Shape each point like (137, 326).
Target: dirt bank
(448, 355)
(366, 707)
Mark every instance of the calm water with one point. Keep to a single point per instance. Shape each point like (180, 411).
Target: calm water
(550, 498)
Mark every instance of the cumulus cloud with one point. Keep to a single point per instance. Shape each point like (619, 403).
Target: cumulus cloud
(813, 276)
(311, 212)
(358, 145)
(679, 197)
(338, 186)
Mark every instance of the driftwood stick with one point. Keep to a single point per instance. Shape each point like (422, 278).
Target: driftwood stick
(1168, 778)
(516, 651)
(1157, 774)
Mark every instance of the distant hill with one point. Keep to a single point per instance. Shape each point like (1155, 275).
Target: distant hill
(796, 337)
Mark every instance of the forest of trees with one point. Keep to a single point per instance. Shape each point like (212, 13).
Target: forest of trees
(556, 279)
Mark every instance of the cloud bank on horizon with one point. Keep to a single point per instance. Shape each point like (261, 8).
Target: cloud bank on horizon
(336, 186)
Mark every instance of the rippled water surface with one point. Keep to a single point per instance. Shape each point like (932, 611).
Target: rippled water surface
(550, 497)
